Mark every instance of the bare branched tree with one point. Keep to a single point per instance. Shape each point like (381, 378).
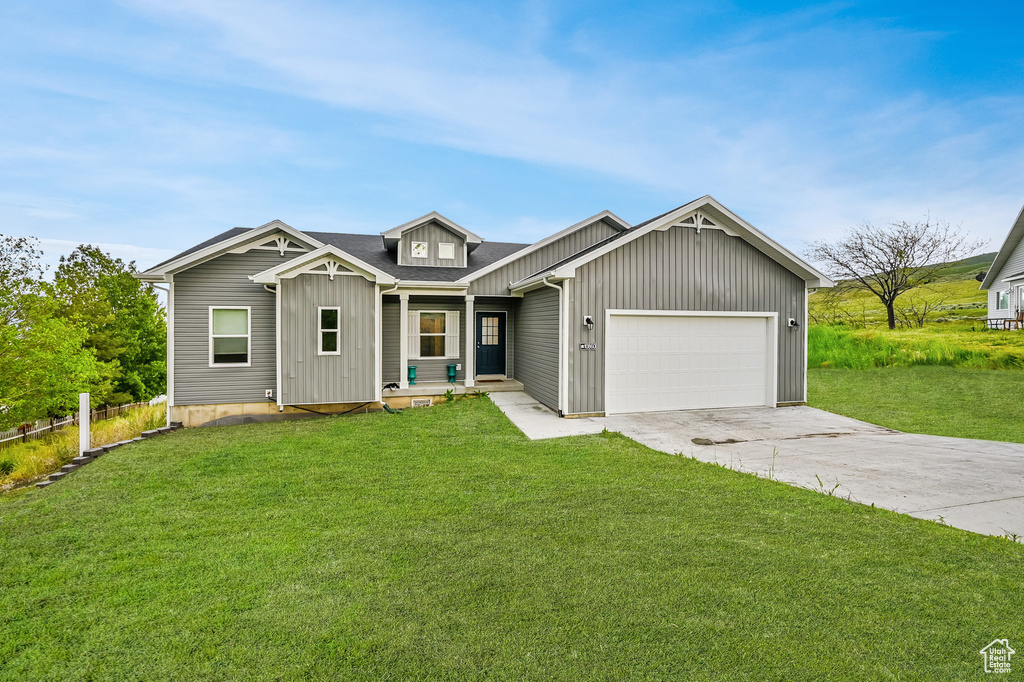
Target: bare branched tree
(915, 310)
(888, 261)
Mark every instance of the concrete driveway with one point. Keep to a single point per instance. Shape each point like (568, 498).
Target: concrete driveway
(976, 485)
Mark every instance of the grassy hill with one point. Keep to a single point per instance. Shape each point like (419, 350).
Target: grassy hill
(954, 294)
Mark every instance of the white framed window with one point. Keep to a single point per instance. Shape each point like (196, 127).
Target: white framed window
(328, 330)
(419, 250)
(1002, 300)
(230, 332)
(433, 334)
(446, 251)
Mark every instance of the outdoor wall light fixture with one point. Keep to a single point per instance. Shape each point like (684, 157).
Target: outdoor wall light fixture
(588, 320)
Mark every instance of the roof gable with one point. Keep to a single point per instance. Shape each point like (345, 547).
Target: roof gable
(391, 237)
(232, 241)
(705, 212)
(331, 257)
(1005, 251)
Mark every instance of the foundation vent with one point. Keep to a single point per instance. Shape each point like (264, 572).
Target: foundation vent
(422, 402)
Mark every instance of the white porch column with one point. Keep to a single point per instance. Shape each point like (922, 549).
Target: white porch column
(403, 340)
(470, 364)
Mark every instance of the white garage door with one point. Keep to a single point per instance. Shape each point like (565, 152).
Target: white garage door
(658, 362)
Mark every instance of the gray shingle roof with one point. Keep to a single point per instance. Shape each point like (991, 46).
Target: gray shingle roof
(369, 248)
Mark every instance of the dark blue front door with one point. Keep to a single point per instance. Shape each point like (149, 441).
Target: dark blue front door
(490, 343)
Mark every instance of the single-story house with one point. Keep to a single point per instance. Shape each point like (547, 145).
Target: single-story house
(692, 309)
(1004, 281)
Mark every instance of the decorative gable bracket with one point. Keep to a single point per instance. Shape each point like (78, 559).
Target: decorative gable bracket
(698, 220)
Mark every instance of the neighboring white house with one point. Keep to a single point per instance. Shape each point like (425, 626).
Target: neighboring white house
(1005, 279)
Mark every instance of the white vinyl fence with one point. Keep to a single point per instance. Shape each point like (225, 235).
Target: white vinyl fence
(44, 427)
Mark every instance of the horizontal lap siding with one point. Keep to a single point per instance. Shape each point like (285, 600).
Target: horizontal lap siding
(1013, 265)
(680, 269)
(390, 334)
(537, 345)
(496, 283)
(436, 369)
(308, 377)
(223, 281)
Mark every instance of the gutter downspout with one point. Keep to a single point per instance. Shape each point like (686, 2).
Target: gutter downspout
(561, 344)
(276, 291)
(380, 350)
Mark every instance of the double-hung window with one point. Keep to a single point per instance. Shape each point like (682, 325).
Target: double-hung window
(433, 334)
(1002, 300)
(230, 331)
(329, 330)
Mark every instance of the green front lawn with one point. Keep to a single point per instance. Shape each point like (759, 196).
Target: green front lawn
(942, 401)
(440, 543)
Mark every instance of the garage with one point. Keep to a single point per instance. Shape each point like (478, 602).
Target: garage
(676, 360)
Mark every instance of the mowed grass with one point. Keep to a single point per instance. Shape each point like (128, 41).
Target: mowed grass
(942, 401)
(441, 544)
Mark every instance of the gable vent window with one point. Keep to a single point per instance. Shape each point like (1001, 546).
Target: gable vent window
(446, 251)
(419, 249)
(433, 334)
(230, 330)
(329, 330)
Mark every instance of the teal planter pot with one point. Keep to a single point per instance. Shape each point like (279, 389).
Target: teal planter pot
(451, 374)
(412, 375)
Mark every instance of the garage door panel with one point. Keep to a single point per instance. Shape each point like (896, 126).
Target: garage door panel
(670, 362)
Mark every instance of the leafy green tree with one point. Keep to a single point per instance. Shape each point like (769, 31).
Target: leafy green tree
(43, 364)
(124, 320)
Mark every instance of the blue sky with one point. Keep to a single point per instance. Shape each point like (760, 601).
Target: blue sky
(147, 126)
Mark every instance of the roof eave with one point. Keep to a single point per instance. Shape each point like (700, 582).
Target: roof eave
(1011, 242)
(221, 247)
(396, 232)
(621, 224)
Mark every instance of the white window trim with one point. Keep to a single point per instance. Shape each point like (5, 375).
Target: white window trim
(412, 250)
(451, 337)
(440, 245)
(999, 296)
(320, 330)
(248, 335)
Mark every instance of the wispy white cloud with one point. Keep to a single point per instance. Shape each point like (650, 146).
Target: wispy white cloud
(795, 120)
(144, 257)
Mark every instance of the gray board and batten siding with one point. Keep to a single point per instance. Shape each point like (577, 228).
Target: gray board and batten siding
(536, 337)
(309, 378)
(432, 233)
(1014, 265)
(496, 283)
(680, 269)
(436, 369)
(223, 281)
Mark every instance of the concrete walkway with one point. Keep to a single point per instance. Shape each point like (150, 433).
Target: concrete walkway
(971, 484)
(538, 422)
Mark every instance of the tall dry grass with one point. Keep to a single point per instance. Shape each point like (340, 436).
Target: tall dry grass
(846, 348)
(27, 462)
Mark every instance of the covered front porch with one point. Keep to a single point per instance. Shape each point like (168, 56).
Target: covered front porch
(436, 338)
(431, 388)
